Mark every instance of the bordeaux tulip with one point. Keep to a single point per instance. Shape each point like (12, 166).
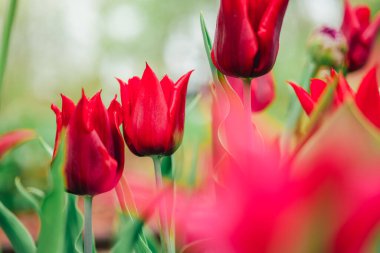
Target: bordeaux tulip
(360, 34)
(153, 113)
(94, 147)
(247, 36)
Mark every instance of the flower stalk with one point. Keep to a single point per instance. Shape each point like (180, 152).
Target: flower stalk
(164, 228)
(87, 224)
(247, 97)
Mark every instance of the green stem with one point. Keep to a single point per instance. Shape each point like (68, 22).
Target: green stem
(295, 108)
(88, 224)
(7, 29)
(164, 231)
(247, 96)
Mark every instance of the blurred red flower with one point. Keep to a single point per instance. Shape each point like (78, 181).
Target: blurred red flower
(360, 34)
(367, 97)
(262, 91)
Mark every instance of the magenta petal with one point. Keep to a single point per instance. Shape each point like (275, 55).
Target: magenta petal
(304, 98)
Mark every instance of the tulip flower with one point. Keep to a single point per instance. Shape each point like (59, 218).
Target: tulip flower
(360, 34)
(94, 147)
(262, 91)
(247, 36)
(367, 97)
(153, 113)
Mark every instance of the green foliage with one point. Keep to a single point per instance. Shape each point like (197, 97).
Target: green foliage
(74, 226)
(17, 234)
(51, 237)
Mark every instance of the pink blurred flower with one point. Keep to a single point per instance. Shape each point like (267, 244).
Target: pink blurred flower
(262, 91)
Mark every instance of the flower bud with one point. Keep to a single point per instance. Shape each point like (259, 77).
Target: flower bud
(328, 47)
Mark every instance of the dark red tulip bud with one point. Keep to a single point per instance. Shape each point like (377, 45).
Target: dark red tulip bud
(153, 113)
(94, 148)
(360, 33)
(247, 36)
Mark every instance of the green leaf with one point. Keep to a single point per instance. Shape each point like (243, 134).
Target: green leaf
(46, 146)
(129, 235)
(74, 226)
(208, 45)
(52, 211)
(17, 234)
(28, 197)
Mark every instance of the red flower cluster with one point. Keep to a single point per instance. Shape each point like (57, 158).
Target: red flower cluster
(367, 97)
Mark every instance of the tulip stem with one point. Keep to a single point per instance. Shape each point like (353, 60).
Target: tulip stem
(164, 231)
(247, 96)
(88, 224)
(7, 29)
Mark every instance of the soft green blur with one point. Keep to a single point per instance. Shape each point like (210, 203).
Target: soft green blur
(64, 46)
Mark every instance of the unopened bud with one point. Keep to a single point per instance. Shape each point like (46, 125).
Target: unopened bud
(328, 47)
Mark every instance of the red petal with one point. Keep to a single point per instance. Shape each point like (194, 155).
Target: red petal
(368, 98)
(148, 131)
(11, 139)
(167, 86)
(304, 98)
(177, 110)
(234, 30)
(370, 33)
(317, 88)
(68, 108)
(262, 92)
(268, 35)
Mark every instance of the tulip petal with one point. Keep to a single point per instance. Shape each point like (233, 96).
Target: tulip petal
(368, 98)
(354, 233)
(304, 98)
(167, 86)
(11, 139)
(268, 36)
(99, 117)
(68, 108)
(363, 14)
(317, 87)
(262, 92)
(234, 56)
(177, 110)
(149, 115)
(370, 33)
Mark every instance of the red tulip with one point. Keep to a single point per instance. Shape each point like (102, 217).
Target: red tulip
(94, 146)
(262, 91)
(367, 97)
(360, 34)
(247, 36)
(153, 113)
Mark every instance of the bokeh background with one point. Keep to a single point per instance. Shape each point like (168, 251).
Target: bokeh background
(63, 46)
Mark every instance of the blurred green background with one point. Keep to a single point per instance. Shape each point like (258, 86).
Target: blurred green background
(62, 46)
